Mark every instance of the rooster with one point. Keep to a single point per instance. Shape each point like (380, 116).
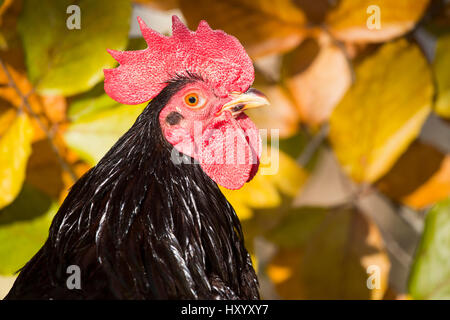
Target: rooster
(149, 220)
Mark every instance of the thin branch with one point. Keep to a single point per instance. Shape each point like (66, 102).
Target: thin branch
(400, 254)
(30, 111)
(313, 145)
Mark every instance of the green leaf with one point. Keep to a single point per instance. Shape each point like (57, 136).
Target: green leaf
(430, 274)
(92, 135)
(15, 149)
(92, 101)
(441, 68)
(294, 145)
(383, 111)
(68, 61)
(297, 227)
(95, 99)
(24, 228)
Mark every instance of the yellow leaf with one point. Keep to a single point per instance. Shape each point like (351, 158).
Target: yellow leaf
(15, 148)
(242, 210)
(255, 262)
(262, 26)
(317, 87)
(290, 177)
(286, 176)
(278, 274)
(441, 67)
(353, 20)
(383, 111)
(7, 116)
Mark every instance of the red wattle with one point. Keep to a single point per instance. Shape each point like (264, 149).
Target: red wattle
(254, 140)
(230, 150)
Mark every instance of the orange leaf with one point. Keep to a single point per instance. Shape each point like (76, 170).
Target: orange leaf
(262, 26)
(319, 86)
(353, 20)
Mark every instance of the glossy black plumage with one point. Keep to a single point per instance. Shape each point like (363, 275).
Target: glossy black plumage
(142, 227)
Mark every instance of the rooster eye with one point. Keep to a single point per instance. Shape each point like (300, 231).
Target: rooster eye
(193, 100)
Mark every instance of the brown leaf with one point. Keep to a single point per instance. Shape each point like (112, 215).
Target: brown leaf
(159, 4)
(419, 178)
(391, 294)
(433, 190)
(262, 26)
(9, 12)
(333, 262)
(281, 114)
(44, 171)
(52, 165)
(317, 75)
(315, 10)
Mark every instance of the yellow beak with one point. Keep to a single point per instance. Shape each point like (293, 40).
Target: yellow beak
(252, 98)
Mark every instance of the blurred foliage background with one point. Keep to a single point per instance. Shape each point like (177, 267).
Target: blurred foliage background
(362, 191)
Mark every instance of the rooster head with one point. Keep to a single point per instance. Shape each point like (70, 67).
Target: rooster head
(204, 119)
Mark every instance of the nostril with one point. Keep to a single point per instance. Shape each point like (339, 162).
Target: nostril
(238, 107)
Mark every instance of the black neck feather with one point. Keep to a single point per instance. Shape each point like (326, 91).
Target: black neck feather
(140, 226)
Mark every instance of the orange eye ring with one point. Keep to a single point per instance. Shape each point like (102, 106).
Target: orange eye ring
(191, 99)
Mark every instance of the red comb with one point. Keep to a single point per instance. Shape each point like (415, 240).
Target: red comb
(212, 54)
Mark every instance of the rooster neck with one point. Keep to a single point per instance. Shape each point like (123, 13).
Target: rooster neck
(149, 227)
